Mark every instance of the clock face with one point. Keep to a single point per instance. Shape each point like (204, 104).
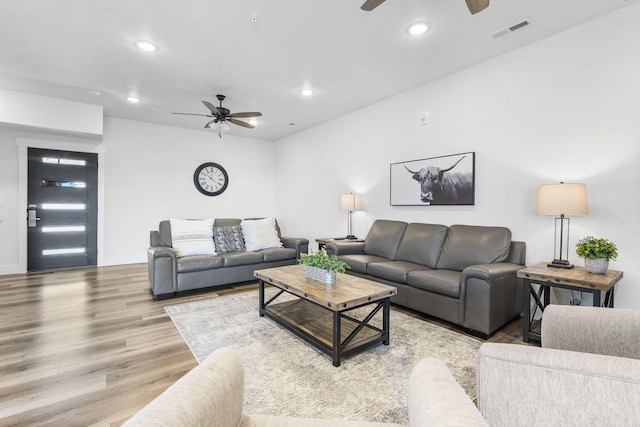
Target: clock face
(211, 179)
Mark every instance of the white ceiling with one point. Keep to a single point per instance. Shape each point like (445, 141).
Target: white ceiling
(351, 58)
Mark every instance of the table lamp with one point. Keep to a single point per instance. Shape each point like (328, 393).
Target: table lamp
(562, 199)
(350, 202)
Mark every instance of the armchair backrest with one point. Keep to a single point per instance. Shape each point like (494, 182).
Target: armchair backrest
(599, 330)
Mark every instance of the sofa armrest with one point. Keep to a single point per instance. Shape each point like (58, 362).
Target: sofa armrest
(491, 272)
(162, 270)
(211, 394)
(300, 244)
(436, 399)
(525, 385)
(490, 295)
(610, 331)
(344, 247)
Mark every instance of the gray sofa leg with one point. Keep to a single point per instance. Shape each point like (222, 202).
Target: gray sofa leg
(164, 296)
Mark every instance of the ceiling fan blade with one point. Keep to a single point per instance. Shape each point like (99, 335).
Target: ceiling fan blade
(255, 114)
(194, 114)
(241, 123)
(214, 110)
(369, 5)
(208, 125)
(476, 6)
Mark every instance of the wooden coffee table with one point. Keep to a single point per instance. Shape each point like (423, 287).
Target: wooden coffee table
(319, 313)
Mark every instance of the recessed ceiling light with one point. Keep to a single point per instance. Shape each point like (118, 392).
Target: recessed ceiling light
(307, 92)
(132, 99)
(94, 92)
(146, 46)
(253, 122)
(417, 29)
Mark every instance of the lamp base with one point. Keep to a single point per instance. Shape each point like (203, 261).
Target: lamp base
(560, 263)
(351, 237)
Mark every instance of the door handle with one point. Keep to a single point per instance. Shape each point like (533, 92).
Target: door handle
(31, 216)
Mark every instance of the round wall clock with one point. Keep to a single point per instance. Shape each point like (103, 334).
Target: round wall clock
(210, 179)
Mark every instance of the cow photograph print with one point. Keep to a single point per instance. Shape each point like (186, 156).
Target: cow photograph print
(435, 181)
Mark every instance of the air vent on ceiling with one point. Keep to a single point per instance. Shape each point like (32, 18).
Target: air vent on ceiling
(511, 29)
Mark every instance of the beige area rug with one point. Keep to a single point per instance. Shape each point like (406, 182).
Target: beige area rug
(286, 376)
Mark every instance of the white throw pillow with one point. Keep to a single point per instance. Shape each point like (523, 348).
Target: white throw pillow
(192, 237)
(260, 234)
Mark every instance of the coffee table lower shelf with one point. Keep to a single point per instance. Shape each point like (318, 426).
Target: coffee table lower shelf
(318, 326)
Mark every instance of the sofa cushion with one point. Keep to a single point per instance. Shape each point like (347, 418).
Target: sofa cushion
(358, 263)
(383, 238)
(260, 234)
(422, 244)
(228, 239)
(232, 259)
(198, 263)
(192, 237)
(393, 270)
(444, 282)
(469, 245)
(278, 254)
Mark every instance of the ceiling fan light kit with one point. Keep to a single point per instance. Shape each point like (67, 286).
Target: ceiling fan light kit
(221, 117)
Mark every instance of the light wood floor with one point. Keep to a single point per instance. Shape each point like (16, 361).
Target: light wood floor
(91, 347)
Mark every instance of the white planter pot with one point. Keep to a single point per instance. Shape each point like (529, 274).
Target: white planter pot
(324, 276)
(598, 265)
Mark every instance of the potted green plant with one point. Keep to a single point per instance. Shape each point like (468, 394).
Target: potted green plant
(597, 253)
(323, 267)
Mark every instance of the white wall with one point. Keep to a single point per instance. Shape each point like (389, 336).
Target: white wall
(562, 109)
(146, 175)
(24, 111)
(149, 177)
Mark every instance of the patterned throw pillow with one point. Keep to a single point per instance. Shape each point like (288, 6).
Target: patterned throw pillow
(228, 239)
(192, 237)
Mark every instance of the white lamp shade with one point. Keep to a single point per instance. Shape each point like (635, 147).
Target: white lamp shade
(558, 199)
(350, 202)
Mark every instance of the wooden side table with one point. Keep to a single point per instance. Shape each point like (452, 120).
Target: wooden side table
(576, 279)
(323, 241)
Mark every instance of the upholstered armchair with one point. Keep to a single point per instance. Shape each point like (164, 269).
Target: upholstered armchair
(587, 372)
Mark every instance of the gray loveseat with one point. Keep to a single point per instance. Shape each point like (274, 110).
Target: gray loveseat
(170, 273)
(462, 274)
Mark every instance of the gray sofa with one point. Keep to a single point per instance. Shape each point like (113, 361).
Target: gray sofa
(462, 274)
(170, 274)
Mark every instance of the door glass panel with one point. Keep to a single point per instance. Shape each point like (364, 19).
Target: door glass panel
(64, 206)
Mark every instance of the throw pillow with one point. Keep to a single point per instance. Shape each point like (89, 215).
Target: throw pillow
(260, 234)
(192, 237)
(228, 239)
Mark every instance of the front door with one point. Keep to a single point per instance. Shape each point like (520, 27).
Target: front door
(62, 211)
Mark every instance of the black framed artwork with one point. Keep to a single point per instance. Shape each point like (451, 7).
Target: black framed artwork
(444, 180)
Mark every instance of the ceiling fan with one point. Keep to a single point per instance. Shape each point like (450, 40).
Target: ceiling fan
(474, 6)
(221, 116)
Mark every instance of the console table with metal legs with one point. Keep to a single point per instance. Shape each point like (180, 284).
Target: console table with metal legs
(575, 279)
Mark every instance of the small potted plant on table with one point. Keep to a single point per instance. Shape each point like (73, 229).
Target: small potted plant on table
(323, 267)
(597, 253)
